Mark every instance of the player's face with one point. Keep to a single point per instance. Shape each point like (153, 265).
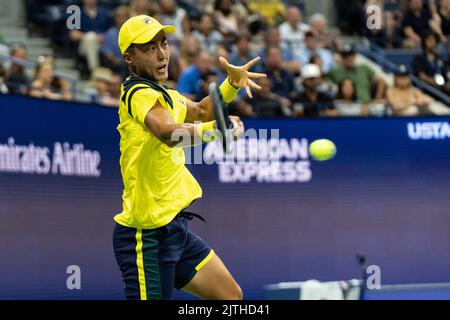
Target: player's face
(151, 59)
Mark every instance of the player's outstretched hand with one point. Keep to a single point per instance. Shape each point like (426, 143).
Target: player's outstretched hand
(241, 77)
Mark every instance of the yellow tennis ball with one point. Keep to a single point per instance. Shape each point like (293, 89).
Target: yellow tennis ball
(322, 149)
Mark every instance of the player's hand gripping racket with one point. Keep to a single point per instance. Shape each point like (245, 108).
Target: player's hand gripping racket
(223, 122)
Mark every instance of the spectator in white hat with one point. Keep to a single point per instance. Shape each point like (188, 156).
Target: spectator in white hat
(312, 102)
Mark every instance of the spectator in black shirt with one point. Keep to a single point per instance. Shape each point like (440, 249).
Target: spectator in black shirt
(349, 15)
(443, 12)
(428, 66)
(417, 20)
(312, 102)
(266, 104)
(282, 80)
(388, 35)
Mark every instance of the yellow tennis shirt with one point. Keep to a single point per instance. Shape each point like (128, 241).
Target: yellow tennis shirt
(157, 184)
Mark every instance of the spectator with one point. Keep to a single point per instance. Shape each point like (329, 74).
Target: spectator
(347, 103)
(189, 50)
(266, 104)
(282, 79)
(46, 85)
(177, 17)
(292, 32)
(443, 18)
(227, 18)
(404, 98)
(417, 20)
(349, 16)
(190, 79)
(208, 37)
(428, 66)
(363, 76)
(256, 28)
(325, 85)
(139, 7)
(3, 87)
(271, 10)
(174, 70)
(99, 90)
(272, 39)
(241, 53)
(325, 39)
(384, 37)
(311, 102)
(220, 68)
(205, 80)
(94, 23)
(312, 49)
(114, 87)
(110, 49)
(16, 79)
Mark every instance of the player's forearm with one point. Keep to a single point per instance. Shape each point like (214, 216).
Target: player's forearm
(204, 110)
(175, 134)
(187, 134)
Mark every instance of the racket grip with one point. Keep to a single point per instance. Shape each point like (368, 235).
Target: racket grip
(226, 116)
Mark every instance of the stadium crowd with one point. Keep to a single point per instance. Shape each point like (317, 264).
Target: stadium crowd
(310, 72)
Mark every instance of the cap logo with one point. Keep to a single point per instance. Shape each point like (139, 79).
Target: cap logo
(147, 20)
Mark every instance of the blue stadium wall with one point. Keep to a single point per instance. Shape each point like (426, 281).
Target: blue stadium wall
(386, 193)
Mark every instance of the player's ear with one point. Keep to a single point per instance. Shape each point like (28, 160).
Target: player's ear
(129, 59)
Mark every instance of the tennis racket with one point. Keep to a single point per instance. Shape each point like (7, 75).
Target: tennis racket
(223, 122)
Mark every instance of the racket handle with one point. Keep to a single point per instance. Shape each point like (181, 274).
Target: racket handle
(226, 116)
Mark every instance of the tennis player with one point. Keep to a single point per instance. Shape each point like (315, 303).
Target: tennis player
(153, 245)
